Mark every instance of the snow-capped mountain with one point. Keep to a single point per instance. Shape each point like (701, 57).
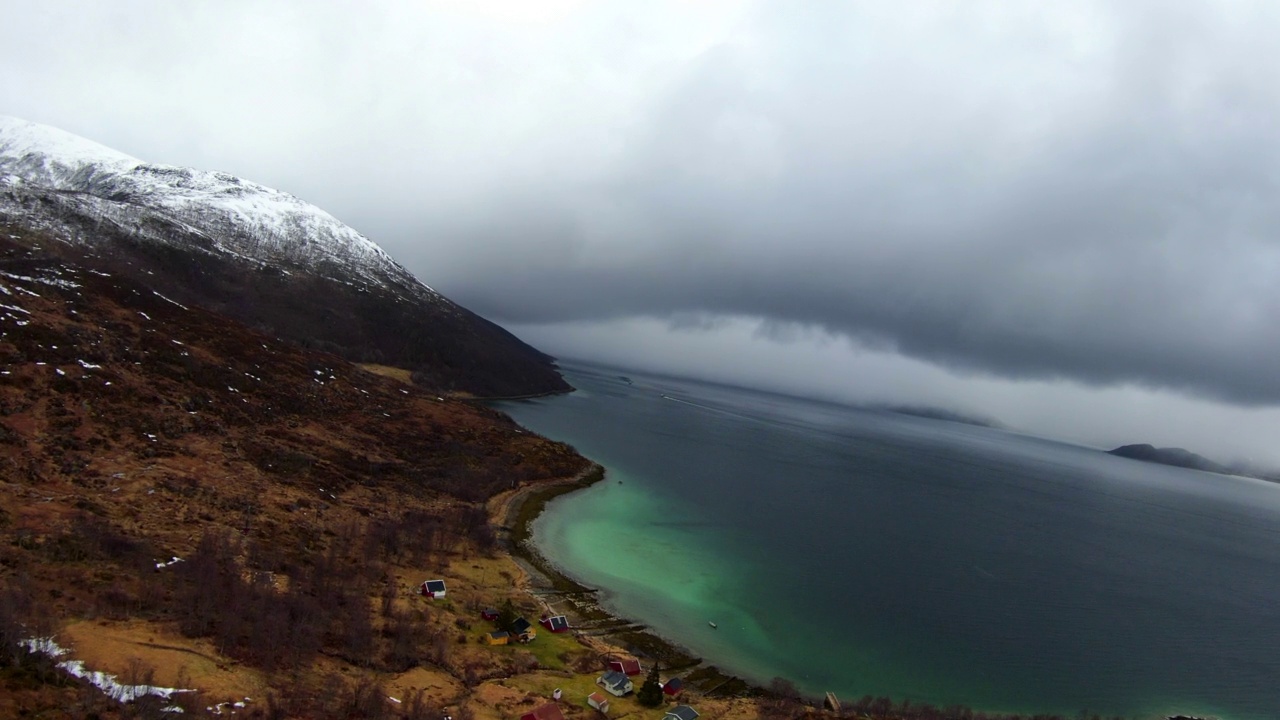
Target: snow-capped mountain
(234, 216)
(258, 254)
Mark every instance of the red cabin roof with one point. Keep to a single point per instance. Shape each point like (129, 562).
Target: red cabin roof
(550, 711)
(626, 667)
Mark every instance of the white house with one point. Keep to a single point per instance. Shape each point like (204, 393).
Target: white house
(615, 683)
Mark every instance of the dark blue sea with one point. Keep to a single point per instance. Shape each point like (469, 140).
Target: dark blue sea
(867, 552)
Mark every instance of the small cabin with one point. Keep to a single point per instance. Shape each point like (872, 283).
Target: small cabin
(550, 711)
(681, 712)
(626, 667)
(672, 687)
(489, 614)
(498, 637)
(556, 623)
(599, 702)
(523, 631)
(432, 589)
(615, 683)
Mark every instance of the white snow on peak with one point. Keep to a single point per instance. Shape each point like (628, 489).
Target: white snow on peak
(46, 155)
(226, 214)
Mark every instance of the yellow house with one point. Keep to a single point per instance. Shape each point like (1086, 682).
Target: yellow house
(498, 637)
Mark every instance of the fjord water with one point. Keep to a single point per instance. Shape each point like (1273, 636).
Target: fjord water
(861, 551)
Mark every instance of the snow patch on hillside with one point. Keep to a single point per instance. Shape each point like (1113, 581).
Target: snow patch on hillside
(106, 682)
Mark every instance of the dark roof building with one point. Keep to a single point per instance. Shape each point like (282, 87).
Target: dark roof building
(673, 686)
(523, 630)
(556, 623)
(433, 589)
(615, 683)
(681, 712)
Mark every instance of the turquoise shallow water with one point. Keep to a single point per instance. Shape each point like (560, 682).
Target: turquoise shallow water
(866, 552)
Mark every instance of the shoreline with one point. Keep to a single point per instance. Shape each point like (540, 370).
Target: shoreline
(611, 633)
(515, 512)
(484, 400)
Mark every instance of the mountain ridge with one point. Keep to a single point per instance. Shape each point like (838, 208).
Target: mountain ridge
(260, 218)
(260, 255)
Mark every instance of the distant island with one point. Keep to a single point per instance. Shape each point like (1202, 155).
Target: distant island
(1176, 457)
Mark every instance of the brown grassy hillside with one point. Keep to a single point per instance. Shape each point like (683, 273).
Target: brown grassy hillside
(302, 493)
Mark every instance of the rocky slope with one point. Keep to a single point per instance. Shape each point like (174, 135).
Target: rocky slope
(257, 254)
(135, 429)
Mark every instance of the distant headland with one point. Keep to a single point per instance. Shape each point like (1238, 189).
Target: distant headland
(1176, 457)
(1179, 457)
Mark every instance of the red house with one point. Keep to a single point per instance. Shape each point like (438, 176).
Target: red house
(626, 667)
(550, 711)
(432, 589)
(556, 624)
(673, 687)
(489, 614)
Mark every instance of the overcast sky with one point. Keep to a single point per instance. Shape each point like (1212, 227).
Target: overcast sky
(1062, 215)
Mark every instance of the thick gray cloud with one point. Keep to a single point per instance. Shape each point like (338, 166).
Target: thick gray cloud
(992, 199)
(1084, 193)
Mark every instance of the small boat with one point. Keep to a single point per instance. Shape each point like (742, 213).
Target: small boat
(713, 625)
